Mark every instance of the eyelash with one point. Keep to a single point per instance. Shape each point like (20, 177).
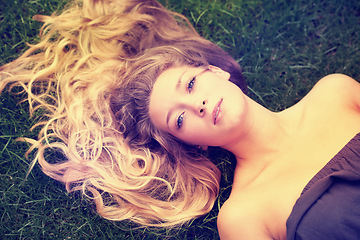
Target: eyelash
(191, 83)
(180, 119)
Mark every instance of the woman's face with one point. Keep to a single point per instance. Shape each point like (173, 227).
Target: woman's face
(197, 105)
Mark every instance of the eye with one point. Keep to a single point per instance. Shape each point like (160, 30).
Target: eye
(179, 120)
(191, 84)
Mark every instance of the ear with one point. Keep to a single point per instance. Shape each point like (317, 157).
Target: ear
(219, 72)
(204, 147)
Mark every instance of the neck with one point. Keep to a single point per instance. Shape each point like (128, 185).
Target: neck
(264, 133)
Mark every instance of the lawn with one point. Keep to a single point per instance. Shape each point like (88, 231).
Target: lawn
(284, 48)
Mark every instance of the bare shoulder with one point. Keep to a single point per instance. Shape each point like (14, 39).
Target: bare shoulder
(340, 88)
(241, 220)
(339, 80)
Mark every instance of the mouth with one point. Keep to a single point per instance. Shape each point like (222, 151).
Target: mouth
(216, 111)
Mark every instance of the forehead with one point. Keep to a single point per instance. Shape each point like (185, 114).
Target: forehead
(168, 78)
(163, 93)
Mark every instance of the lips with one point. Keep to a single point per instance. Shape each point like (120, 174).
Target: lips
(216, 111)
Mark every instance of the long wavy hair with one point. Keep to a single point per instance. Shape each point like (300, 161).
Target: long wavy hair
(193, 176)
(72, 76)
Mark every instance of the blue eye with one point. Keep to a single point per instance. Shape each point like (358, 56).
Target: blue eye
(191, 84)
(179, 120)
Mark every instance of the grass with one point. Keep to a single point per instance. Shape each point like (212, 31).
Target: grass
(284, 47)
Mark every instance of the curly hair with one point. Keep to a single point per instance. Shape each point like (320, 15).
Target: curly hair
(78, 74)
(191, 175)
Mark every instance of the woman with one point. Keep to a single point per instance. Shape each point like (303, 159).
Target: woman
(97, 84)
(172, 93)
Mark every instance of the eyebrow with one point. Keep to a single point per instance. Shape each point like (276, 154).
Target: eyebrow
(178, 84)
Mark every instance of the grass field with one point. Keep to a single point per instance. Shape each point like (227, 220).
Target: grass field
(284, 47)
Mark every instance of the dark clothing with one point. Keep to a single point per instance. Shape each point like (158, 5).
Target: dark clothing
(329, 206)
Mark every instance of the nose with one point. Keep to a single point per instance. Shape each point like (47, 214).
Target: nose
(200, 108)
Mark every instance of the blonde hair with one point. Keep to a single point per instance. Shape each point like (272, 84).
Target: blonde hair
(71, 76)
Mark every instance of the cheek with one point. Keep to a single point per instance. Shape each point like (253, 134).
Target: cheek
(195, 134)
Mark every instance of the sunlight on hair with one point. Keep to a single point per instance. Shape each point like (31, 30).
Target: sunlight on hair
(70, 77)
